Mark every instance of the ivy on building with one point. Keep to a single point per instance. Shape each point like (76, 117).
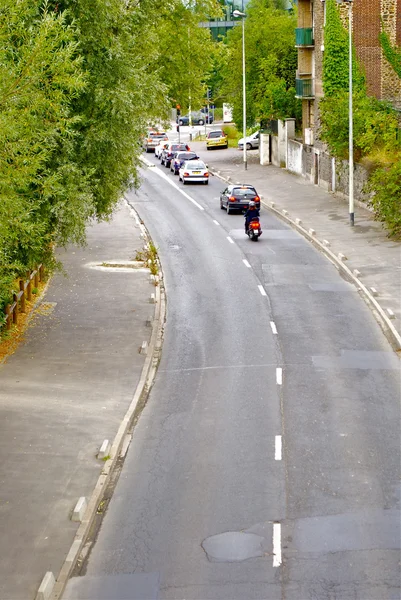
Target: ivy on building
(375, 123)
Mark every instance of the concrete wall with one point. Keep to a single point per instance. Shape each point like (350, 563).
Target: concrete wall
(294, 157)
(275, 151)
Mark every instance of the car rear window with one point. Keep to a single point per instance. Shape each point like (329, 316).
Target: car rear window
(155, 134)
(215, 134)
(186, 155)
(244, 192)
(194, 165)
(176, 147)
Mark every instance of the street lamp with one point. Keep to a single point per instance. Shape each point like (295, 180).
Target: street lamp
(237, 13)
(350, 140)
(350, 116)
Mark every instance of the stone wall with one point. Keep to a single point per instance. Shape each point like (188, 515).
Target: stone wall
(325, 175)
(390, 82)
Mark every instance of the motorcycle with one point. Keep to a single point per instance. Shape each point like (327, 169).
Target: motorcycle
(254, 230)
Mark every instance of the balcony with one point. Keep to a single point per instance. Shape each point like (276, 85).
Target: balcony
(304, 37)
(304, 89)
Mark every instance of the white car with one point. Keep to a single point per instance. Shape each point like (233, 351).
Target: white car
(159, 148)
(193, 171)
(252, 141)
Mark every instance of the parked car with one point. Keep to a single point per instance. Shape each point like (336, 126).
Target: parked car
(159, 148)
(237, 197)
(169, 151)
(197, 118)
(152, 139)
(216, 139)
(193, 171)
(179, 158)
(252, 141)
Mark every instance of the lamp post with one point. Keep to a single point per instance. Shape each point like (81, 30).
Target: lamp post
(351, 133)
(237, 13)
(350, 117)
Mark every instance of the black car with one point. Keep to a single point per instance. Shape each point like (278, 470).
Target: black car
(179, 158)
(170, 150)
(237, 197)
(197, 118)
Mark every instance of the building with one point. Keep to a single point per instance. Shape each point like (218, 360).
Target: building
(382, 82)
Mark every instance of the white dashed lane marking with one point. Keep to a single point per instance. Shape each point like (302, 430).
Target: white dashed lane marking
(279, 375)
(276, 544)
(262, 290)
(278, 446)
(216, 222)
(273, 326)
(246, 263)
(230, 239)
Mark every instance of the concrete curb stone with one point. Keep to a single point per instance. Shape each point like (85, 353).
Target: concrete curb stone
(144, 385)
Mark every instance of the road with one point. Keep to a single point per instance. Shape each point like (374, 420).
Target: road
(266, 462)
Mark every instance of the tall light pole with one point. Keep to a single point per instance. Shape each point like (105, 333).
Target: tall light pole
(351, 119)
(237, 13)
(351, 124)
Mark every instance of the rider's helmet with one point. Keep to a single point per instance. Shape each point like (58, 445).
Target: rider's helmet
(252, 204)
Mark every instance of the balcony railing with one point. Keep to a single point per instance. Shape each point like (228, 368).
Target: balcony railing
(304, 88)
(304, 36)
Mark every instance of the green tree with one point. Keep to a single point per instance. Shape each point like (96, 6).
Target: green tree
(40, 75)
(271, 60)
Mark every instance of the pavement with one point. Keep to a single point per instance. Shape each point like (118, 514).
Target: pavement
(70, 384)
(66, 389)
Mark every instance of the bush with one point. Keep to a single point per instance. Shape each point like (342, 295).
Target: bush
(385, 183)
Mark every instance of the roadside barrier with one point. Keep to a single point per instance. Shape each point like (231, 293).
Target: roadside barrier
(12, 310)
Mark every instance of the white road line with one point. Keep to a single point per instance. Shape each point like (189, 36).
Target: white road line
(278, 447)
(273, 326)
(279, 375)
(277, 545)
(246, 263)
(230, 239)
(262, 290)
(166, 178)
(216, 222)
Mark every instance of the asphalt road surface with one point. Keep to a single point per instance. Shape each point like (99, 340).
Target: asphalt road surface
(266, 462)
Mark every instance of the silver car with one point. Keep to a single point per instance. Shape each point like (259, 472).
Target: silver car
(252, 141)
(193, 171)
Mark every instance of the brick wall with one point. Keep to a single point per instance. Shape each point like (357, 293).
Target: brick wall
(366, 30)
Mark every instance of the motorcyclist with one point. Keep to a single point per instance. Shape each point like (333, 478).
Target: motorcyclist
(251, 213)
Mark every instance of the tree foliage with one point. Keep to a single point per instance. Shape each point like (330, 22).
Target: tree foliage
(271, 61)
(79, 82)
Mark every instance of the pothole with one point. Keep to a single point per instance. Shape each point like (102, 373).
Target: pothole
(233, 546)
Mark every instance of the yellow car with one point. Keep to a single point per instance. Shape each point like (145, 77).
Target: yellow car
(216, 139)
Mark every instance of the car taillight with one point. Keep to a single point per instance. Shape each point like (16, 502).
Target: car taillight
(206, 174)
(257, 199)
(231, 199)
(186, 174)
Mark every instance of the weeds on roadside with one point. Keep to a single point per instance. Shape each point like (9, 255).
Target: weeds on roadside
(149, 256)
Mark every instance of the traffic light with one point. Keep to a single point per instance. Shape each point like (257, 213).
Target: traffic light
(178, 107)
(209, 94)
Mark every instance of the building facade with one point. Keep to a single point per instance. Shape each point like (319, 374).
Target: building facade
(368, 15)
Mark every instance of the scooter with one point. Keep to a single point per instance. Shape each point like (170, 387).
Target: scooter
(254, 230)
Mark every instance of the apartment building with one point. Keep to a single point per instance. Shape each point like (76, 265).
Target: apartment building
(382, 82)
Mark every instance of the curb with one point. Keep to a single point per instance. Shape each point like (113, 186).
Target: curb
(144, 385)
(310, 234)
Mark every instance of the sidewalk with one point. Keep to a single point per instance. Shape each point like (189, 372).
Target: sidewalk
(365, 246)
(65, 390)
